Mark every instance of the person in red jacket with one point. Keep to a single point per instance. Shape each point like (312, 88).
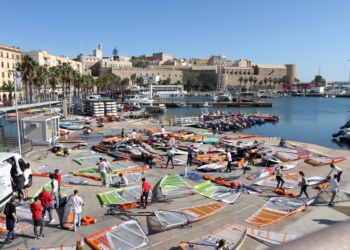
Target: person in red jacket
(46, 199)
(146, 187)
(36, 208)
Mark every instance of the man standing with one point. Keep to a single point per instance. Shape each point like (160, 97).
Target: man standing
(146, 187)
(170, 154)
(214, 130)
(189, 156)
(122, 134)
(76, 204)
(334, 189)
(36, 209)
(102, 168)
(229, 160)
(338, 169)
(133, 135)
(123, 182)
(46, 200)
(54, 190)
(58, 177)
(279, 178)
(11, 219)
(162, 132)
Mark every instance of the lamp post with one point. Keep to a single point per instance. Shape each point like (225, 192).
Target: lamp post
(16, 81)
(52, 128)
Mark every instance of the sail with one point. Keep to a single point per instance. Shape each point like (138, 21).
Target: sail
(276, 209)
(125, 235)
(216, 192)
(173, 184)
(291, 156)
(270, 236)
(44, 171)
(60, 247)
(122, 196)
(88, 159)
(325, 196)
(183, 216)
(177, 162)
(321, 161)
(233, 234)
(132, 178)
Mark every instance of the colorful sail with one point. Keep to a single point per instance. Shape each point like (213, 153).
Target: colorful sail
(88, 159)
(173, 184)
(270, 236)
(216, 192)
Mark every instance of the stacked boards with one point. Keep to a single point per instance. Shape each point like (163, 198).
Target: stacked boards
(110, 108)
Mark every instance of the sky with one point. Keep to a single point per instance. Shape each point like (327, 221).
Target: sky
(313, 34)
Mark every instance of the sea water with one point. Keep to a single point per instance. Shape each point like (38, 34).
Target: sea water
(304, 119)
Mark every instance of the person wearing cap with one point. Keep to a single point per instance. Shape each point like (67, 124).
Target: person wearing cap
(189, 156)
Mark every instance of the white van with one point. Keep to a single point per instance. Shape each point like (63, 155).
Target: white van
(6, 190)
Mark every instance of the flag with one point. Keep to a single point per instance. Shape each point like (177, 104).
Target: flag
(18, 79)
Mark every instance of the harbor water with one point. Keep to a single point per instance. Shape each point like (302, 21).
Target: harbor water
(304, 119)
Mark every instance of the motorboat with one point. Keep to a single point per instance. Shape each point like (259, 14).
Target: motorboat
(214, 97)
(138, 99)
(225, 97)
(162, 108)
(205, 105)
(183, 105)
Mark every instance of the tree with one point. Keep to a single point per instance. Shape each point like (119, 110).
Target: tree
(114, 52)
(240, 79)
(251, 79)
(261, 83)
(178, 83)
(167, 81)
(270, 81)
(274, 82)
(133, 58)
(9, 87)
(40, 78)
(255, 80)
(66, 75)
(54, 78)
(133, 78)
(245, 81)
(140, 81)
(191, 83)
(279, 80)
(28, 71)
(265, 81)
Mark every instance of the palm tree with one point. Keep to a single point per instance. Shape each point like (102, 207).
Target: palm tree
(9, 87)
(265, 81)
(260, 83)
(133, 78)
(66, 75)
(140, 81)
(75, 79)
(279, 80)
(28, 71)
(40, 79)
(270, 81)
(245, 82)
(274, 82)
(54, 78)
(250, 79)
(255, 80)
(240, 79)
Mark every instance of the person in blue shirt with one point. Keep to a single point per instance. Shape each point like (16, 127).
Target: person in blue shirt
(189, 156)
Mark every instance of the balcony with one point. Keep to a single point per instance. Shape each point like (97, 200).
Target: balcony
(47, 63)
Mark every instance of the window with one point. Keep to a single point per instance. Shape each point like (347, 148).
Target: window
(175, 75)
(22, 164)
(13, 56)
(7, 55)
(1, 54)
(8, 65)
(3, 75)
(8, 75)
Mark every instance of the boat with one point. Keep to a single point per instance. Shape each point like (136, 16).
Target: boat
(135, 153)
(125, 235)
(276, 209)
(214, 167)
(219, 193)
(184, 216)
(206, 105)
(270, 236)
(233, 234)
(291, 156)
(122, 196)
(100, 148)
(225, 97)
(162, 108)
(80, 146)
(68, 215)
(174, 185)
(214, 97)
(261, 174)
(183, 105)
(118, 155)
(137, 99)
(210, 140)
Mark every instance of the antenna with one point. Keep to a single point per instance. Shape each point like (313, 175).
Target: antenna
(319, 69)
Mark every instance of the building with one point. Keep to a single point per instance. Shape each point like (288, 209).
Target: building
(156, 58)
(9, 57)
(109, 62)
(91, 63)
(198, 61)
(217, 60)
(242, 63)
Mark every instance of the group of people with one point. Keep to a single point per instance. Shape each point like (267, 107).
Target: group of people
(334, 183)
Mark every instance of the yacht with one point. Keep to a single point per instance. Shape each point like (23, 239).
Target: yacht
(138, 99)
(162, 108)
(225, 97)
(206, 105)
(183, 105)
(214, 97)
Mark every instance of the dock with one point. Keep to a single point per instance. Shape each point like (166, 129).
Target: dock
(220, 104)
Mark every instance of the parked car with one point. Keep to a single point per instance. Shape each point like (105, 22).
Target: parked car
(6, 103)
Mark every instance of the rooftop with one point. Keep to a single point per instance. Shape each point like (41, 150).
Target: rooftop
(271, 66)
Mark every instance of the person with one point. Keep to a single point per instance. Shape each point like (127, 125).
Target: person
(76, 205)
(304, 184)
(26, 174)
(58, 177)
(152, 161)
(279, 178)
(123, 182)
(133, 135)
(54, 190)
(89, 131)
(11, 219)
(17, 177)
(102, 168)
(282, 143)
(229, 160)
(338, 169)
(189, 156)
(162, 132)
(36, 208)
(122, 134)
(46, 200)
(107, 164)
(220, 245)
(170, 154)
(214, 130)
(65, 151)
(334, 189)
(146, 187)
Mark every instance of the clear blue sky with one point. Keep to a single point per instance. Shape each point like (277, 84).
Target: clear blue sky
(309, 33)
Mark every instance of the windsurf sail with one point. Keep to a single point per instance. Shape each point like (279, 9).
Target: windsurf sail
(216, 192)
(60, 247)
(68, 215)
(173, 184)
(233, 175)
(183, 216)
(125, 235)
(325, 196)
(291, 156)
(68, 182)
(44, 171)
(272, 182)
(177, 162)
(261, 174)
(276, 209)
(88, 159)
(233, 234)
(122, 196)
(321, 161)
(132, 178)
(270, 236)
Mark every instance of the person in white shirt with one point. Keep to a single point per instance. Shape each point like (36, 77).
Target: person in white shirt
(76, 205)
(123, 182)
(54, 191)
(334, 189)
(162, 132)
(102, 168)
(229, 160)
(26, 174)
(133, 135)
(279, 178)
(338, 169)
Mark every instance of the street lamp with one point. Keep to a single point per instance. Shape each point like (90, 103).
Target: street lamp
(17, 81)
(52, 129)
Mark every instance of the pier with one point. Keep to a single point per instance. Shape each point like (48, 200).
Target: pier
(219, 104)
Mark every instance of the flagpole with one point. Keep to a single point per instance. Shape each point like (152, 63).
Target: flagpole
(15, 79)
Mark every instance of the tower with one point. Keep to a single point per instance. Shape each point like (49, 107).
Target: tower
(98, 52)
